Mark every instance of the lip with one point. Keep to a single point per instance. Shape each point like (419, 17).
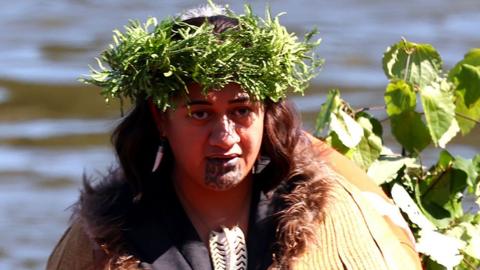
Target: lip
(229, 160)
(222, 156)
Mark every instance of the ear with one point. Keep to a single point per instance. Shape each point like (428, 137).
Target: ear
(156, 115)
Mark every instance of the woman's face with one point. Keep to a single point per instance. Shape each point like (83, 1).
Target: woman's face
(215, 139)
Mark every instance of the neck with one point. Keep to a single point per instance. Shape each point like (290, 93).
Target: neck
(210, 209)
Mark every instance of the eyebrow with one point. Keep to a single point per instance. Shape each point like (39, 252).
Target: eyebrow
(205, 102)
(239, 100)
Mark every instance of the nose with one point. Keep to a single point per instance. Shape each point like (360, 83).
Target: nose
(223, 133)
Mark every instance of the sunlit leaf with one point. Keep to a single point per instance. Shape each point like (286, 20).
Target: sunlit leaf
(337, 144)
(403, 200)
(385, 168)
(347, 129)
(417, 64)
(473, 240)
(469, 232)
(370, 146)
(331, 104)
(443, 249)
(410, 131)
(439, 113)
(399, 97)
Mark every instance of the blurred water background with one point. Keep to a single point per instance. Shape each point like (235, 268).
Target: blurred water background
(53, 129)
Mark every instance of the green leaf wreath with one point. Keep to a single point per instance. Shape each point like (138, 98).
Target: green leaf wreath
(158, 60)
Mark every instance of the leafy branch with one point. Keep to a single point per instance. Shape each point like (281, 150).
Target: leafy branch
(450, 105)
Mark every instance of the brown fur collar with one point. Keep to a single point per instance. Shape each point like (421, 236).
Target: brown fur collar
(103, 208)
(303, 200)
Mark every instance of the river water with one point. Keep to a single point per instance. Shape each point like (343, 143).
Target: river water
(53, 130)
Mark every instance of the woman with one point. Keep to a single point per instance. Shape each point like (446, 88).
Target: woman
(215, 171)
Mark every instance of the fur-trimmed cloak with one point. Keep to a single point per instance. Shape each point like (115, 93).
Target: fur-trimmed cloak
(316, 221)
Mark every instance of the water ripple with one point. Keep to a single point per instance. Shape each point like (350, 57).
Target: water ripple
(66, 163)
(4, 95)
(44, 128)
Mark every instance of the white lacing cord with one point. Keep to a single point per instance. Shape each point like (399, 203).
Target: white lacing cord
(228, 249)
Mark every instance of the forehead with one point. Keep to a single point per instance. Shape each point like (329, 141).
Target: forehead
(227, 93)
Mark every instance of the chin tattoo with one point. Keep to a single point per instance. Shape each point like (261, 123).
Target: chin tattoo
(220, 176)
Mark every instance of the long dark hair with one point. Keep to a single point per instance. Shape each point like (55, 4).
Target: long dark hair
(136, 138)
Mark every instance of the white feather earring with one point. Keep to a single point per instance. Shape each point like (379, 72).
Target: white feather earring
(260, 164)
(158, 157)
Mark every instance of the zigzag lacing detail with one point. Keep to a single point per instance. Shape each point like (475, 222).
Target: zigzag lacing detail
(228, 249)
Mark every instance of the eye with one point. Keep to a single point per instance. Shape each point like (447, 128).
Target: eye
(199, 115)
(242, 112)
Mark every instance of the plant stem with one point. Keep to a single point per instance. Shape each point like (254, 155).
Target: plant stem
(408, 64)
(467, 117)
(467, 262)
(435, 181)
(372, 108)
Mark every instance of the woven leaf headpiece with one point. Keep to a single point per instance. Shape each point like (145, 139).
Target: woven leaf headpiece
(159, 60)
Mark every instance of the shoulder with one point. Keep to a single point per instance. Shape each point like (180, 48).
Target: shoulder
(358, 178)
(97, 217)
(331, 207)
(75, 250)
(352, 235)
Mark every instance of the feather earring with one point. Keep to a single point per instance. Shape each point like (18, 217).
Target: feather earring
(158, 158)
(260, 164)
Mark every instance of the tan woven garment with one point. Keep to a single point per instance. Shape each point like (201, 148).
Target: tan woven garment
(353, 236)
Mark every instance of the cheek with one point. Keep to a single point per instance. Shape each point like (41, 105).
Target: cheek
(253, 137)
(186, 144)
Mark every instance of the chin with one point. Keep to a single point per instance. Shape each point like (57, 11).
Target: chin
(224, 182)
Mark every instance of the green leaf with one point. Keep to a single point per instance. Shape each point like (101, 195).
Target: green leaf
(326, 110)
(466, 117)
(439, 113)
(410, 131)
(417, 64)
(468, 81)
(476, 162)
(472, 237)
(337, 144)
(385, 168)
(370, 146)
(373, 124)
(464, 77)
(471, 58)
(443, 190)
(347, 129)
(468, 167)
(430, 264)
(469, 232)
(399, 97)
(445, 160)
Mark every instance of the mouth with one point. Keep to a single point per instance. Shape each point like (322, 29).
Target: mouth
(224, 160)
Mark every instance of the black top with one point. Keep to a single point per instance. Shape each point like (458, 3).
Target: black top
(159, 231)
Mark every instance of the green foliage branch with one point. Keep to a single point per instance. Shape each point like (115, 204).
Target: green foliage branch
(157, 60)
(425, 106)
